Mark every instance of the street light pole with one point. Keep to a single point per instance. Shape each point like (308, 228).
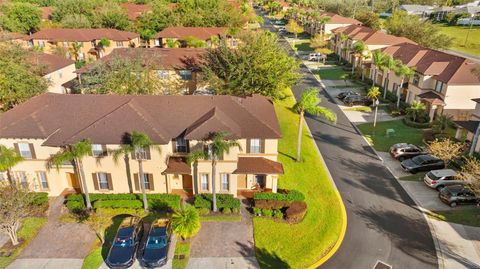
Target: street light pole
(376, 111)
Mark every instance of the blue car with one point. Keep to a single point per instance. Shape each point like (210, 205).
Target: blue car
(125, 244)
(155, 250)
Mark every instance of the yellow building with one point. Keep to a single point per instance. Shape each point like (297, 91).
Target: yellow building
(177, 125)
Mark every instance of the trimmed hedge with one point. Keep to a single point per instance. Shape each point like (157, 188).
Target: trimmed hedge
(413, 124)
(288, 195)
(223, 201)
(296, 212)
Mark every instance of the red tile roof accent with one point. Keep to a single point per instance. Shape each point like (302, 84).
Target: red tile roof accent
(68, 118)
(82, 35)
(258, 165)
(181, 32)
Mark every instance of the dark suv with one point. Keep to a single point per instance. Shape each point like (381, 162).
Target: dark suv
(454, 195)
(351, 100)
(403, 151)
(422, 163)
(125, 244)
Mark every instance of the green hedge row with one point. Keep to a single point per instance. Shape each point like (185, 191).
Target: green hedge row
(287, 195)
(223, 201)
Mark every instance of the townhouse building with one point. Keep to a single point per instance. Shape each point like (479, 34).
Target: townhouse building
(56, 69)
(57, 40)
(177, 125)
(178, 69)
(444, 82)
(181, 34)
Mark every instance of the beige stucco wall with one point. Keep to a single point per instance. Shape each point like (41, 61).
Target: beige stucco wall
(58, 77)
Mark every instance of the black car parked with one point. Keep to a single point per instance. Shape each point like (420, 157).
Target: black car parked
(156, 246)
(125, 244)
(345, 94)
(454, 195)
(352, 100)
(422, 163)
(403, 151)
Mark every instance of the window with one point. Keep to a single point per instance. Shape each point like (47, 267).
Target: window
(186, 74)
(22, 178)
(42, 177)
(255, 145)
(416, 79)
(103, 181)
(181, 144)
(225, 181)
(97, 150)
(119, 44)
(163, 74)
(438, 86)
(24, 150)
(204, 182)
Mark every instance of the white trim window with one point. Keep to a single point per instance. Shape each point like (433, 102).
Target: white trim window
(225, 181)
(24, 150)
(102, 181)
(204, 181)
(255, 145)
(42, 178)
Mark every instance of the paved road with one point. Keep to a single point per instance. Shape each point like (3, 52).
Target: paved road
(383, 223)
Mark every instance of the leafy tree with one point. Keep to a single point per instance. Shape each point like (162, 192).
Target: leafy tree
(74, 153)
(186, 222)
(441, 123)
(369, 19)
(258, 65)
(76, 21)
(309, 103)
(9, 157)
(15, 205)
(20, 17)
(293, 27)
(19, 79)
(217, 146)
(416, 109)
(422, 32)
(446, 150)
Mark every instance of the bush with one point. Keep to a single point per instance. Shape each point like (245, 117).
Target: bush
(287, 195)
(205, 200)
(267, 212)
(235, 210)
(413, 124)
(296, 212)
(278, 214)
(257, 211)
(226, 210)
(118, 204)
(203, 211)
(75, 206)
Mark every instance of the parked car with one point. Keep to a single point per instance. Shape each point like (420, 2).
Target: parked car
(438, 179)
(422, 163)
(125, 244)
(156, 246)
(454, 195)
(352, 100)
(345, 94)
(403, 151)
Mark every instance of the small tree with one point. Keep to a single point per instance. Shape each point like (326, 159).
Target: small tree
(294, 28)
(15, 205)
(442, 122)
(415, 109)
(446, 150)
(309, 103)
(9, 157)
(470, 172)
(186, 222)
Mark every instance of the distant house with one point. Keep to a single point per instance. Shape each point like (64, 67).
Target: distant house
(423, 11)
(179, 68)
(56, 69)
(136, 10)
(335, 21)
(181, 34)
(62, 39)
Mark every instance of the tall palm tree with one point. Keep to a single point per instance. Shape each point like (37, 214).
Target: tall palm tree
(405, 72)
(218, 145)
(389, 65)
(378, 58)
(309, 103)
(358, 49)
(136, 143)
(9, 157)
(74, 153)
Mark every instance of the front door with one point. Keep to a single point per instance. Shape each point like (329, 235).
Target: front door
(187, 182)
(72, 181)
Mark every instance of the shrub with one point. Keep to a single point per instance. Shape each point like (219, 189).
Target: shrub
(267, 212)
(75, 206)
(257, 211)
(226, 210)
(223, 200)
(235, 210)
(278, 214)
(296, 212)
(203, 211)
(118, 204)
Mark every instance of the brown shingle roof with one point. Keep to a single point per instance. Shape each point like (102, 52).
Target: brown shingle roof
(181, 32)
(49, 63)
(443, 66)
(258, 165)
(157, 58)
(135, 10)
(64, 119)
(64, 34)
(370, 36)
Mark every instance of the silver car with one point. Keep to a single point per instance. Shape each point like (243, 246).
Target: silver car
(438, 179)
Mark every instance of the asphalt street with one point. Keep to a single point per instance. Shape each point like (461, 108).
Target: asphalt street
(383, 223)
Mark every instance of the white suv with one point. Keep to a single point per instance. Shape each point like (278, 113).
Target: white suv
(437, 179)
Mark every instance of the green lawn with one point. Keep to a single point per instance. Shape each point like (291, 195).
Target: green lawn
(470, 216)
(377, 135)
(30, 227)
(459, 33)
(181, 249)
(331, 73)
(280, 245)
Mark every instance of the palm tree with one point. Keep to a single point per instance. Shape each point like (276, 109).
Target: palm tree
(186, 222)
(75, 49)
(358, 49)
(217, 147)
(389, 64)
(378, 58)
(136, 143)
(442, 122)
(74, 153)
(309, 103)
(9, 157)
(405, 72)
(415, 109)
